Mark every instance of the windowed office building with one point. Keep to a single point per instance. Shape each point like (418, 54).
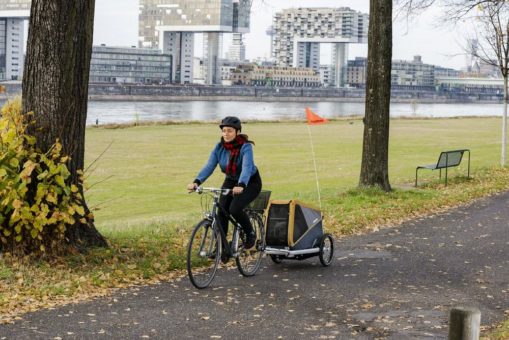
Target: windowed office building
(129, 65)
(13, 14)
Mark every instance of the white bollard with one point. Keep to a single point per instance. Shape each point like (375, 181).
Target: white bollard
(465, 323)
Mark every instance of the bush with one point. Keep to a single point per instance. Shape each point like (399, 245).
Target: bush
(37, 200)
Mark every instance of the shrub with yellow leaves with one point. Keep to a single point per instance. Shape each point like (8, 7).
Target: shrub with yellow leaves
(37, 200)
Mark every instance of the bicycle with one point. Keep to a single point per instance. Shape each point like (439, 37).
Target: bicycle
(208, 244)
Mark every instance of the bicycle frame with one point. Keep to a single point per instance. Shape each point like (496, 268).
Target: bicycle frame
(233, 250)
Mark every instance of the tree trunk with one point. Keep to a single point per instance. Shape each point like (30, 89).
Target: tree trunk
(375, 152)
(55, 88)
(503, 159)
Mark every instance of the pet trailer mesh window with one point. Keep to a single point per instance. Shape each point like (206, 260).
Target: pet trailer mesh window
(293, 224)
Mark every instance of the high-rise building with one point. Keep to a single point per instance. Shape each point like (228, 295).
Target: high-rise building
(270, 32)
(170, 25)
(13, 13)
(237, 51)
(298, 33)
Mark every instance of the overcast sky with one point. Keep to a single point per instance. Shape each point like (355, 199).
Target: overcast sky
(116, 24)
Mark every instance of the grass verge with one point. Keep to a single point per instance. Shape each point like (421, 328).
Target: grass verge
(501, 332)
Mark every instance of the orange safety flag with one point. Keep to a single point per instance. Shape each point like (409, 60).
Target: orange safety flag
(313, 118)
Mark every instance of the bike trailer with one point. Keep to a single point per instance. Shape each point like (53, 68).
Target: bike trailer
(293, 224)
(294, 231)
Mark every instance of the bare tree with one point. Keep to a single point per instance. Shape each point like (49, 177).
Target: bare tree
(55, 88)
(493, 49)
(375, 150)
(454, 9)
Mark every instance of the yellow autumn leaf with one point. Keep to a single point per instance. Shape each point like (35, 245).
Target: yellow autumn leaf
(80, 210)
(51, 198)
(17, 204)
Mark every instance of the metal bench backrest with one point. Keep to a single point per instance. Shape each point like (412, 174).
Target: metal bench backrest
(450, 158)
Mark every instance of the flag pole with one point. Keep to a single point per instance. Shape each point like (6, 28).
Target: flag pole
(316, 171)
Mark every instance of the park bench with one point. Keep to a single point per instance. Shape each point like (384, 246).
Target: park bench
(447, 159)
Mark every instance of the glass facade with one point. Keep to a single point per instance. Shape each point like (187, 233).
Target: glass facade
(129, 65)
(241, 15)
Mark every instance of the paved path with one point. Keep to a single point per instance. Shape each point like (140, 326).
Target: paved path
(397, 283)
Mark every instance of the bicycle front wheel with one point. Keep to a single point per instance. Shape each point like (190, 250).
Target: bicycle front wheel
(203, 254)
(249, 260)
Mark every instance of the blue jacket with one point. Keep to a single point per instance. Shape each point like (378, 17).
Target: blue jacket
(221, 156)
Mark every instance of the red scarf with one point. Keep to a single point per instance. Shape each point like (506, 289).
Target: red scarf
(234, 147)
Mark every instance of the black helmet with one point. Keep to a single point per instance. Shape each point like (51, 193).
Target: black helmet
(231, 121)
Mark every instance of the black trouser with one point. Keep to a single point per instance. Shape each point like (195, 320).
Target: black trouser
(235, 204)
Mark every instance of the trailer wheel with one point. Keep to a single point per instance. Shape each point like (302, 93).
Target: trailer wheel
(276, 259)
(326, 250)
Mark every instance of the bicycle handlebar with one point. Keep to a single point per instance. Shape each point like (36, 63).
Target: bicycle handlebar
(221, 191)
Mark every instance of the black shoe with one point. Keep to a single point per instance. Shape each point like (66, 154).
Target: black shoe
(224, 257)
(250, 240)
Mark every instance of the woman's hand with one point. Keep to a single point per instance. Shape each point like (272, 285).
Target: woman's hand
(192, 187)
(238, 190)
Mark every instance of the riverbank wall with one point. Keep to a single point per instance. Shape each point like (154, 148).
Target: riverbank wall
(118, 92)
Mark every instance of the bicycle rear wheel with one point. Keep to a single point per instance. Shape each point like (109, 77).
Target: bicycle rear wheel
(203, 254)
(248, 261)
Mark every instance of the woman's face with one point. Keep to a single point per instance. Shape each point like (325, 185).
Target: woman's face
(229, 133)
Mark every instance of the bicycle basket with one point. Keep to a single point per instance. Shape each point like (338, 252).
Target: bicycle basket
(260, 203)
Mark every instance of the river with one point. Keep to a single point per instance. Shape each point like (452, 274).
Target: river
(106, 112)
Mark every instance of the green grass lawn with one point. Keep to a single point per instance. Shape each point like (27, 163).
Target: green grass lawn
(137, 192)
(141, 178)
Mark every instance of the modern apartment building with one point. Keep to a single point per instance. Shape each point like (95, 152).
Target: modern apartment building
(404, 72)
(255, 75)
(446, 72)
(170, 25)
(299, 32)
(356, 72)
(13, 14)
(412, 72)
(129, 65)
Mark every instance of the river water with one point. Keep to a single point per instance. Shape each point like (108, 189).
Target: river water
(106, 112)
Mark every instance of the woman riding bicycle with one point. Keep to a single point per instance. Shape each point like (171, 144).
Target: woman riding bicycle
(234, 154)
